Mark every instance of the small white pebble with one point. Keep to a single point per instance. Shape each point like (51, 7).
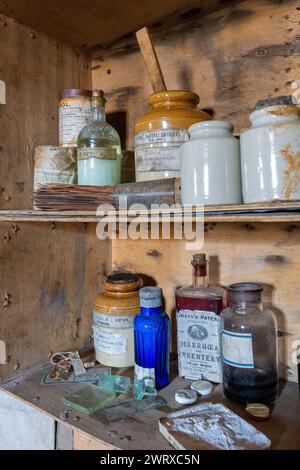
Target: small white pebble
(202, 387)
(186, 397)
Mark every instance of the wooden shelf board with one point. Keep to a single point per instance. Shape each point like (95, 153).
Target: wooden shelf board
(141, 430)
(277, 212)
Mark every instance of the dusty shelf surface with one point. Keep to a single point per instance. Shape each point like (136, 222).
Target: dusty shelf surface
(140, 431)
(271, 212)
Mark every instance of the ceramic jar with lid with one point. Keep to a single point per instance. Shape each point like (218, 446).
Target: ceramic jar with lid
(114, 312)
(210, 166)
(160, 133)
(270, 154)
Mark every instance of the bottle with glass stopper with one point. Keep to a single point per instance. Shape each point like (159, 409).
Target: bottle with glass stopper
(198, 325)
(98, 148)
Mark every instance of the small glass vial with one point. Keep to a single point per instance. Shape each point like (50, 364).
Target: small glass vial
(99, 148)
(152, 339)
(198, 325)
(249, 346)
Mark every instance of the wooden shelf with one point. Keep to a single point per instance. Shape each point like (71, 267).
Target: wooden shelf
(276, 212)
(141, 430)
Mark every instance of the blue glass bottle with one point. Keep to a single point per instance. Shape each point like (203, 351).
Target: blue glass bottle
(152, 338)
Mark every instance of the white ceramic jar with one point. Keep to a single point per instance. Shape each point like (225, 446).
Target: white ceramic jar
(270, 155)
(210, 165)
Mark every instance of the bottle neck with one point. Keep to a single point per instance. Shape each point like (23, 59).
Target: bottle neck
(98, 111)
(149, 311)
(200, 276)
(244, 308)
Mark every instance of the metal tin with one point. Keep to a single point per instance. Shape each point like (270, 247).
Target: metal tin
(54, 165)
(114, 312)
(210, 165)
(74, 115)
(270, 155)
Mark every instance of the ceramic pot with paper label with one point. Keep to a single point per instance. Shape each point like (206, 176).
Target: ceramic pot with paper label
(114, 313)
(249, 346)
(270, 155)
(210, 165)
(160, 133)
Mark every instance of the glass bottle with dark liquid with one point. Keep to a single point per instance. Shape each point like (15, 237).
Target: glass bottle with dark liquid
(198, 325)
(249, 346)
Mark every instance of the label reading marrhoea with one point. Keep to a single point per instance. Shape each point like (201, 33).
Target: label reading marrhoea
(109, 343)
(102, 153)
(113, 321)
(199, 355)
(237, 349)
(159, 150)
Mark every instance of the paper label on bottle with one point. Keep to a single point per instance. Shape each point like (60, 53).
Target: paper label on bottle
(159, 150)
(109, 343)
(74, 115)
(113, 321)
(237, 349)
(43, 176)
(102, 153)
(199, 352)
(142, 372)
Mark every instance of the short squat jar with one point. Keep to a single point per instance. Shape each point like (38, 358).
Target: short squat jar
(270, 154)
(210, 165)
(249, 346)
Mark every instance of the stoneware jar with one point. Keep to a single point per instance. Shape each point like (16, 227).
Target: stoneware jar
(210, 168)
(160, 133)
(270, 155)
(114, 312)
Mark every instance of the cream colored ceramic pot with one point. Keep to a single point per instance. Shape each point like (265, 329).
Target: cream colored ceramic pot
(210, 168)
(270, 155)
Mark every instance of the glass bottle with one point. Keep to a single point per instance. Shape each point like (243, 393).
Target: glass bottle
(198, 325)
(152, 339)
(98, 148)
(249, 346)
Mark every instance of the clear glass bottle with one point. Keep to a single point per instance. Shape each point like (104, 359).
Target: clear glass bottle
(152, 339)
(249, 346)
(198, 325)
(98, 148)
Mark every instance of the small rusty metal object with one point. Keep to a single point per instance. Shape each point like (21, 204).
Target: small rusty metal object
(258, 411)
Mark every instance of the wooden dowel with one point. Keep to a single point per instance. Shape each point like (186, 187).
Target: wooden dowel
(151, 60)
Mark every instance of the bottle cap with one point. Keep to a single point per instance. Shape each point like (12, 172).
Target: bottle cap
(150, 297)
(202, 387)
(199, 258)
(98, 96)
(186, 397)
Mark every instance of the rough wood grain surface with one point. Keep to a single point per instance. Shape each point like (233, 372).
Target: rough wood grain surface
(140, 431)
(231, 58)
(35, 68)
(266, 253)
(50, 275)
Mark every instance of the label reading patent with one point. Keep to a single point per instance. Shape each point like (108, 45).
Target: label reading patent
(113, 321)
(199, 345)
(102, 153)
(109, 343)
(237, 349)
(159, 150)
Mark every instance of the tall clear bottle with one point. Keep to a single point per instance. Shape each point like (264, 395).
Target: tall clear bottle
(98, 148)
(198, 325)
(249, 346)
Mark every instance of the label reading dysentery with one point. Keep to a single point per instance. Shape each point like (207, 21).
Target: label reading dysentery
(109, 343)
(113, 321)
(199, 345)
(237, 349)
(101, 153)
(159, 150)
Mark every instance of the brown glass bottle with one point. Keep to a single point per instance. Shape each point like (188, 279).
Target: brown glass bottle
(198, 325)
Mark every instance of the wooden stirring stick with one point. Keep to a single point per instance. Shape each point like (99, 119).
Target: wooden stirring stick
(151, 60)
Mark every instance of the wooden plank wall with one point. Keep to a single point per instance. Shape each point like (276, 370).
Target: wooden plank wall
(35, 68)
(49, 277)
(262, 252)
(231, 58)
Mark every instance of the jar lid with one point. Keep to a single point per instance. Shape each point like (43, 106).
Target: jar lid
(122, 281)
(174, 97)
(150, 297)
(121, 277)
(75, 92)
(275, 101)
(245, 292)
